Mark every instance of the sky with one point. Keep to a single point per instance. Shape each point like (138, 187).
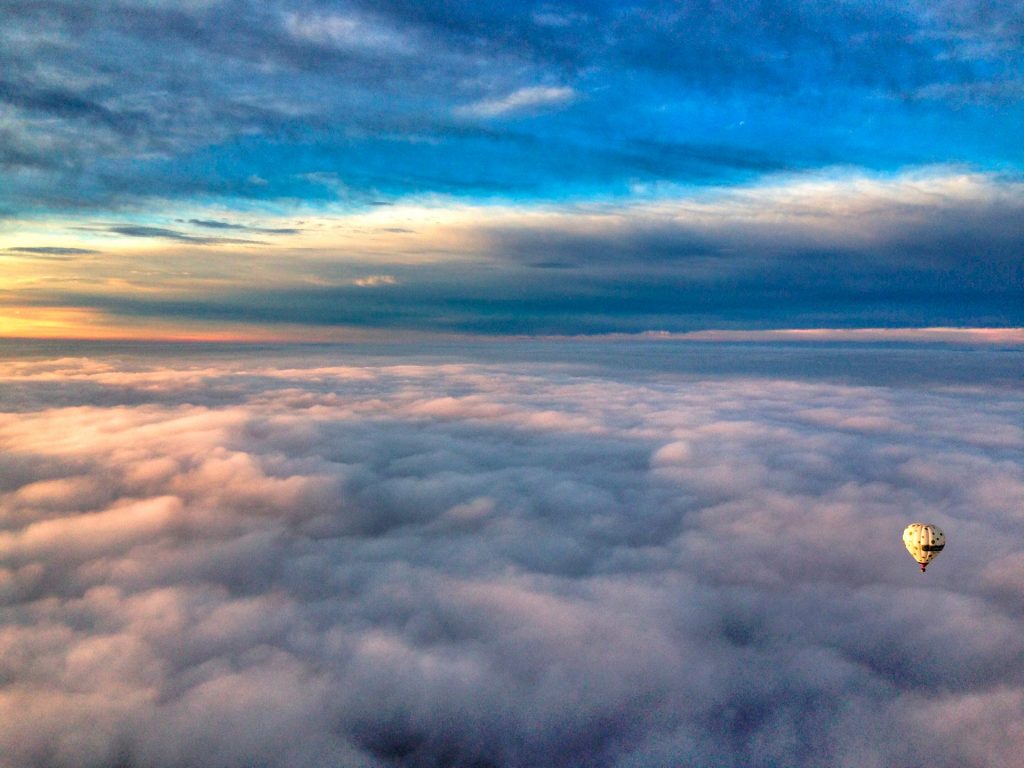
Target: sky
(455, 558)
(337, 171)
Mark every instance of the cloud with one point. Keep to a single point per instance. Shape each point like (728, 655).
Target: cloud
(523, 100)
(925, 249)
(558, 17)
(215, 224)
(172, 234)
(372, 281)
(321, 558)
(348, 32)
(52, 251)
(1007, 336)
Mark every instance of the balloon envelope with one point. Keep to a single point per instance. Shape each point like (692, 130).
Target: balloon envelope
(923, 541)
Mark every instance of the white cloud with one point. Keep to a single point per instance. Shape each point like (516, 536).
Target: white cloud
(555, 17)
(375, 281)
(347, 32)
(523, 100)
(293, 561)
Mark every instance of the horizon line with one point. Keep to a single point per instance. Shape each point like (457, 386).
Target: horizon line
(292, 335)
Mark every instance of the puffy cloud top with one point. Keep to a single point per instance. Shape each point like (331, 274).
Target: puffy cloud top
(338, 559)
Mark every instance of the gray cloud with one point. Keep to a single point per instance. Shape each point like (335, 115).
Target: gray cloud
(51, 251)
(173, 234)
(215, 224)
(328, 558)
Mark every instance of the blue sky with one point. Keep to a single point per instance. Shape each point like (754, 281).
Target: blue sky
(614, 167)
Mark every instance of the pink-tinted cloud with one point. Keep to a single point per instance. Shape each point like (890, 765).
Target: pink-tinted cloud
(327, 559)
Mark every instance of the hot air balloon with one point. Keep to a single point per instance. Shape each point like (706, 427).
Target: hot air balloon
(923, 541)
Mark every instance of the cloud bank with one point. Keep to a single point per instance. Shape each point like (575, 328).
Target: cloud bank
(335, 559)
(920, 249)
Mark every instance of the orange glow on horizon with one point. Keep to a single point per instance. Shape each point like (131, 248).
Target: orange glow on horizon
(84, 324)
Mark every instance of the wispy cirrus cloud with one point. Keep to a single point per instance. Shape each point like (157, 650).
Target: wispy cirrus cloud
(374, 281)
(521, 101)
(351, 32)
(217, 224)
(51, 251)
(163, 233)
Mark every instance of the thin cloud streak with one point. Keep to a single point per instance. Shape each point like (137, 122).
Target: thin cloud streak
(53, 251)
(163, 233)
(1001, 336)
(523, 100)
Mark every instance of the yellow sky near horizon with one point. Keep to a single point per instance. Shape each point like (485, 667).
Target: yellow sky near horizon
(87, 324)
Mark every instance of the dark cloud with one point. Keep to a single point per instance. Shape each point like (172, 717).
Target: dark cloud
(171, 234)
(63, 104)
(211, 224)
(214, 224)
(324, 558)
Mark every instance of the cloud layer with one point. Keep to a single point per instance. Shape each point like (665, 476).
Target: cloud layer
(916, 250)
(331, 559)
(115, 104)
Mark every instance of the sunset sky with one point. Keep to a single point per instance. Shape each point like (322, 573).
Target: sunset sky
(330, 171)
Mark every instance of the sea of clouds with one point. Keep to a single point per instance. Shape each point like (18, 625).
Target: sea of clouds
(334, 559)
